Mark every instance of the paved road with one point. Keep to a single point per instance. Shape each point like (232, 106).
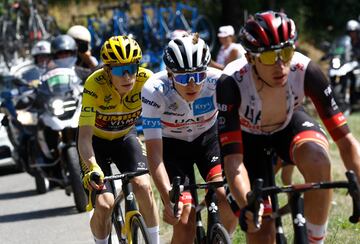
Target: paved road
(26, 217)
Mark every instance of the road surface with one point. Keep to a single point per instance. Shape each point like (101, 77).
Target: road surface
(26, 217)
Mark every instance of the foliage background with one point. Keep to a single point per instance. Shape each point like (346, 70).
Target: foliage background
(316, 20)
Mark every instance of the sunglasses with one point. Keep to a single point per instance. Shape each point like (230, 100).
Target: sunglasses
(270, 57)
(120, 70)
(184, 79)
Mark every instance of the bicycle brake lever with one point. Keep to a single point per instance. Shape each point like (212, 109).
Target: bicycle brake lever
(354, 191)
(95, 177)
(174, 193)
(254, 199)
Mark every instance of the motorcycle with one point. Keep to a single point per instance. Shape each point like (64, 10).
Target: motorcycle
(19, 116)
(344, 74)
(53, 152)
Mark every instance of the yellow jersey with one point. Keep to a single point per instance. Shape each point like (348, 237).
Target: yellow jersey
(102, 107)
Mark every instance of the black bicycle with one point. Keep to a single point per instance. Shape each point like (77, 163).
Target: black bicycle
(295, 205)
(130, 227)
(216, 233)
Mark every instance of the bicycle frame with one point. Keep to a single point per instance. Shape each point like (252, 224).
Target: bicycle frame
(123, 226)
(211, 204)
(296, 204)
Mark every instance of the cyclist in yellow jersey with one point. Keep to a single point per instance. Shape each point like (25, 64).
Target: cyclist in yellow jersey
(110, 108)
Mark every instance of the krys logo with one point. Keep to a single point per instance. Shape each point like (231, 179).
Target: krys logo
(203, 105)
(132, 101)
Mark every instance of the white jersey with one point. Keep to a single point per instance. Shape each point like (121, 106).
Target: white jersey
(225, 52)
(251, 104)
(235, 65)
(166, 114)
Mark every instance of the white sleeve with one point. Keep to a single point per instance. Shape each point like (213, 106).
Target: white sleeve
(152, 109)
(235, 65)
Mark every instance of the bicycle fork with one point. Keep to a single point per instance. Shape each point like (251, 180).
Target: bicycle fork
(200, 230)
(299, 222)
(212, 211)
(123, 225)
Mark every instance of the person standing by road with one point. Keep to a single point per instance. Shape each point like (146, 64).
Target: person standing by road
(229, 50)
(85, 62)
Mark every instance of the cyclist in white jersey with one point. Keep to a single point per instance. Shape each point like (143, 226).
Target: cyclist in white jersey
(179, 122)
(260, 108)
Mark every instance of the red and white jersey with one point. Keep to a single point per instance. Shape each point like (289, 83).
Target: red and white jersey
(236, 91)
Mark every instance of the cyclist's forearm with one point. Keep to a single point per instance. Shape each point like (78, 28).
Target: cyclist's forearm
(161, 180)
(85, 148)
(349, 149)
(157, 168)
(237, 178)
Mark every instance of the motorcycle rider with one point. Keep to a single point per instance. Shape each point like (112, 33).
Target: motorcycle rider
(41, 53)
(64, 51)
(353, 30)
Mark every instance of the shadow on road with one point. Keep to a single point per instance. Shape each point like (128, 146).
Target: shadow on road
(18, 194)
(38, 214)
(8, 169)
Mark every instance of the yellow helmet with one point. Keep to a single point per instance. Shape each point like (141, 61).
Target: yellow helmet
(120, 50)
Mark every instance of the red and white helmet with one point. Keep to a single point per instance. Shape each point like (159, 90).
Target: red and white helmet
(267, 31)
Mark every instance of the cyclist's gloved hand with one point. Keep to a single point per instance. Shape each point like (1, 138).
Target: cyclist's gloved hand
(246, 220)
(94, 179)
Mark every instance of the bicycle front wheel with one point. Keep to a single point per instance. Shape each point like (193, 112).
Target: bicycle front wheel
(219, 235)
(139, 233)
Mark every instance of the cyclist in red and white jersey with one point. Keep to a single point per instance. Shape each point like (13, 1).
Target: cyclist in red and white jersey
(179, 122)
(260, 108)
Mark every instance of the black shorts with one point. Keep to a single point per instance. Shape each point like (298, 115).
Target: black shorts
(180, 156)
(259, 150)
(127, 152)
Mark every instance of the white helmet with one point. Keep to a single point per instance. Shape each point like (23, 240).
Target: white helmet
(178, 33)
(41, 47)
(79, 32)
(352, 25)
(187, 54)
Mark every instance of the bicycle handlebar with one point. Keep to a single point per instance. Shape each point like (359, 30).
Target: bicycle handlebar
(127, 175)
(175, 192)
(177, 189)
(354, 191)
(255, 197)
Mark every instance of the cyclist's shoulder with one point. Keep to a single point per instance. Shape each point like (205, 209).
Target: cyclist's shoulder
(156, 80)
(97, 79)
(235, 66)
(143, 75)
(300, 60)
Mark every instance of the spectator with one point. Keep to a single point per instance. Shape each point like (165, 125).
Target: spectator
(229, 50)
(85, 62)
